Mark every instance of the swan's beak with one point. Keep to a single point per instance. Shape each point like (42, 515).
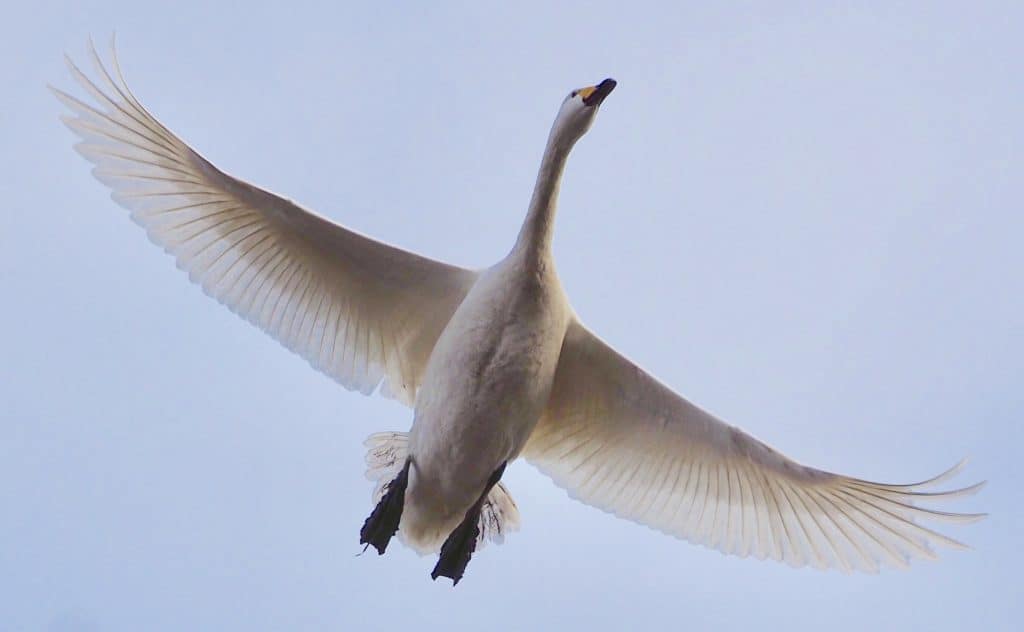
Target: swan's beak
(594, 95)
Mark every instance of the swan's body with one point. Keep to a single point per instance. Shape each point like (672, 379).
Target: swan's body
(495, 364)
(484, 390)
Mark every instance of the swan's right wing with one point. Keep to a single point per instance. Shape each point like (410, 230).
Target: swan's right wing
(359, 310)
(618, 439)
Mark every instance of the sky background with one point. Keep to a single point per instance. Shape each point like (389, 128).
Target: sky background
(806, 219)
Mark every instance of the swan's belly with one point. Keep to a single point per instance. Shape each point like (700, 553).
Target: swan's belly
(485, 387)
(480, 413)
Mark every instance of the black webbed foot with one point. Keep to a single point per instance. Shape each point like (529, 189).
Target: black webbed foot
(458, 549)
(383, 522)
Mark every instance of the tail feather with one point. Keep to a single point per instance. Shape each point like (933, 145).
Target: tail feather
(385, 458)
(498, 516)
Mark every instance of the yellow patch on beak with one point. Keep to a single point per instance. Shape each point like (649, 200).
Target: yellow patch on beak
(595, 95)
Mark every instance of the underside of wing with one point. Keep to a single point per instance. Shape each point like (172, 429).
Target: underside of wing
(617, 439)
(363, 312)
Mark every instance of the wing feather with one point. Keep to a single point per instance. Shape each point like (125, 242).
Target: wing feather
(365, 313)
(617, 439)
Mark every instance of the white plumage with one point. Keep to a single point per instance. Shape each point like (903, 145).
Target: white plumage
(495, 363)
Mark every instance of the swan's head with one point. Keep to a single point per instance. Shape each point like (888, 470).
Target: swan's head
(577, 112)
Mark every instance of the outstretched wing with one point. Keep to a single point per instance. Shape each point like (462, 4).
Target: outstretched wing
(616, 438)
(359, 310)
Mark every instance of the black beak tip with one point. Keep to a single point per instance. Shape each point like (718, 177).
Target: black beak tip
(601, 91)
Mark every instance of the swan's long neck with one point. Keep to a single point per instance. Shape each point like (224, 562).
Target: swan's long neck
(539, 226)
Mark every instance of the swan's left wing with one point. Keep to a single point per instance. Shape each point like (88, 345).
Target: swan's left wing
(616, 438)
(361, 311)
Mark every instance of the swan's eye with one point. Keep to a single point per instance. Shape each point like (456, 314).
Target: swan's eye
(573, 93)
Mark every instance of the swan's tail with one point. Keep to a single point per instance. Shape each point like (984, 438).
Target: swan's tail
(387, 453)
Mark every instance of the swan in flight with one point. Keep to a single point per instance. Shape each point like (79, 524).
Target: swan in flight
(495, 364)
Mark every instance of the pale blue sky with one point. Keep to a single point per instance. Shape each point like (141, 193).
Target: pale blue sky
(807, 220)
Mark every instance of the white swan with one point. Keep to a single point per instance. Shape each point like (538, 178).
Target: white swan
(495, 364)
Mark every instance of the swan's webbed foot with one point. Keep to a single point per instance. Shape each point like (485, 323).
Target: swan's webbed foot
(458, 549)
(461, 543)
(383, 522)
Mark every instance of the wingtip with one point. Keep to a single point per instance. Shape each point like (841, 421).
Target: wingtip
(63, 97)
(971, 518)
(970, 490)
(113, 52)
(944, 476)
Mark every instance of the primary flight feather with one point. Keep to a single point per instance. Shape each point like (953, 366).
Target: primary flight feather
(495, 364)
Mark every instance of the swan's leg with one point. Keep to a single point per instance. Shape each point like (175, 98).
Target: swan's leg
(383, 522)
(459, 547)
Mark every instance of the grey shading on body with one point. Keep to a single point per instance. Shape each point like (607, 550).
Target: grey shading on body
(495, 364)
